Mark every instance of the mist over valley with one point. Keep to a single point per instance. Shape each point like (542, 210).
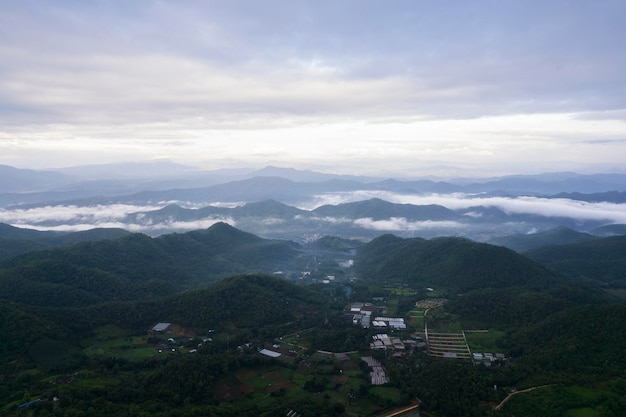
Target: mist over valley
(294, 276)
(304, 205)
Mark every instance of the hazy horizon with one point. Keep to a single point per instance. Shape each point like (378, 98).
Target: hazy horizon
(411, 88)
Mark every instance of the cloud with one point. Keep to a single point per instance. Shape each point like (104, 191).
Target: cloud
(550, 207)
(329, 219)
(270, 221)
(401, 224)
(565, 208)
(160, 62)
(148, 228)
(482, 84)
(78, 218)
(71, 213)
(131, 217)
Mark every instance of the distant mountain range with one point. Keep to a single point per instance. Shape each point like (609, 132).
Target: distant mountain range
(165, 180)
(162, 197)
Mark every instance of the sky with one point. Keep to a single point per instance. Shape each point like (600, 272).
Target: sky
(395, 88)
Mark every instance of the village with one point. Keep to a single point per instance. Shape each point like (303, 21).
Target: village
(437, 344)
(390, 336)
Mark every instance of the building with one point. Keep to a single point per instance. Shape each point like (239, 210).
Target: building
(161, 327)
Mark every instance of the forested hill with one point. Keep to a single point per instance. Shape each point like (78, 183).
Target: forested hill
(15, 241)
(378, 209)
(584, 340)
(556, 236)
(455, 263)
(137, 266)
(249, 303)
(601, 260)
(242, 301)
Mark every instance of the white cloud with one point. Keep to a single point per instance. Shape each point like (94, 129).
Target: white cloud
(147, 228)
(77, 218)
(507, 88)
(401, 224)
(272, 221)
(551, 207)
(131, 217)
(332, 220)
(71, 214)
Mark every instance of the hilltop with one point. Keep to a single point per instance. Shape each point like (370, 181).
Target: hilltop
(456, 264)
(137, 266)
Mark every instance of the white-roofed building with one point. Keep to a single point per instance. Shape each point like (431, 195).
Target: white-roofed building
(161, 327)
(269, 353)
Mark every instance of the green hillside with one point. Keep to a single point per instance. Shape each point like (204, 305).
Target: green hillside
(556, 236)
(508, 308)
(75, 322)
(10, 247)
(378, 209)
(241, 302)
(584, 340)
(22, 327)
(601, 260)
(453, 263)
(332, 243)
(16, 241)
(137, 266)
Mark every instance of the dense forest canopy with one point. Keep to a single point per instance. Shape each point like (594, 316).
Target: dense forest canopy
(81, 313)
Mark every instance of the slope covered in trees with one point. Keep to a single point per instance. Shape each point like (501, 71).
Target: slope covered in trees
(15, 241)
(137, 266)
(556, 236)
(457, 264)
(583, 340)
(599, 260)
(378, 209)
(242, 301)
(554, 330)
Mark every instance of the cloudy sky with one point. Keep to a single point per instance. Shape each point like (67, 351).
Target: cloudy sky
(362, 86)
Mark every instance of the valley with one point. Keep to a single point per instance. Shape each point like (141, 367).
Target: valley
(312, 209)
(267, 327)
(315, 295)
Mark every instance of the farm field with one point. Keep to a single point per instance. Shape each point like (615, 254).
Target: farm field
(484, 341)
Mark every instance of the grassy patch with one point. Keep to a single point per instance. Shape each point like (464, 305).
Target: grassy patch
(391, 394)
(416, 318)
(109, 331)
(402, 291)
(484, 341)
(362, 407)
(586, 394)
(582, 412)
(131, 348)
